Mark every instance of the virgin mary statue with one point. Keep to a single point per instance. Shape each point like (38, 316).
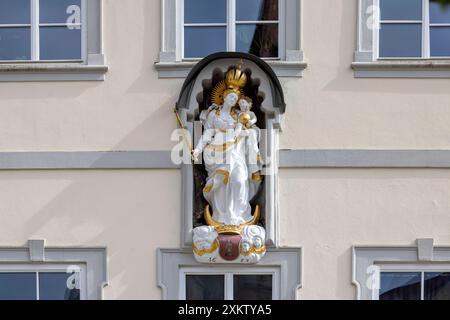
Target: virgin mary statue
(231, 154)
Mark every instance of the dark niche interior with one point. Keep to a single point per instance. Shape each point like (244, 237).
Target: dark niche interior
(251, 90)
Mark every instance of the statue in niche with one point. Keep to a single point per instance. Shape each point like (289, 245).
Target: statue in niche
(230, 148)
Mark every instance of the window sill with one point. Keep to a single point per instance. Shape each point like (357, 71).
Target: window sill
(182, 69)
(24, 72)
(402, 69)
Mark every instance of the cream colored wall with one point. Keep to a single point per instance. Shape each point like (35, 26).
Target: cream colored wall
(335, 209)
(132, 109)
(132, 213)
(135, 212)
(330, 109)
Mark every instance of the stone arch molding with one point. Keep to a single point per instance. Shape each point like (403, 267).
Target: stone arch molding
(271, 107)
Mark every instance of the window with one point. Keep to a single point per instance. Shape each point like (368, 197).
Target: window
(250, 26)
(51, 40)
(277, 276)
(399, 282)
(41, 30)
(45, 282)
(193, 29)
(405, 272)
(414, 29)
(46, 273)
(201, 284)
(402, 39)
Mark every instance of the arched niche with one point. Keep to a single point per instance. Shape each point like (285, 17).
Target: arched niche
(265, 90)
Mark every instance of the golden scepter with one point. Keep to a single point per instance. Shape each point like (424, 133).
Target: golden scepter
(183, 129)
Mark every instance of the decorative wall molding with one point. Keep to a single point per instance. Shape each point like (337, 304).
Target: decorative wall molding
(162, 159)
(364, 158)
(181, 69)
(402, 69)
(86, 160)
(52, 72)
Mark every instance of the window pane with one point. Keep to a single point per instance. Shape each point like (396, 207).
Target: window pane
(437, 286)
(15, 44)
(205, 287)
(401, 9)
(255, 10)
(205, 11)
(58, 286)
(258, 39)
(252, 287)
(202, 41)
(58, 11)
(439, 13)
(18, 286)
(401, 40)
(15, 12)
(400, 286)
(440, 41)
(59, 43)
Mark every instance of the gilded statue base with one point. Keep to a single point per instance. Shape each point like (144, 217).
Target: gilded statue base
(220, 243)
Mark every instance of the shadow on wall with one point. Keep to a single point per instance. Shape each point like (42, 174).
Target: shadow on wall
(90, 211)
(118, 209)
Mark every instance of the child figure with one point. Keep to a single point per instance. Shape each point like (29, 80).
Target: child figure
(247, 117)
(248, 120)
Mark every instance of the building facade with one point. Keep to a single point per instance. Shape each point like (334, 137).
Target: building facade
(93, 207)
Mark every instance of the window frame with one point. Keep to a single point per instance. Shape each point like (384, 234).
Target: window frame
(35, 26)
(170, 64)
(411, 267)
(48, 268)
(91, 68)
(288, 260)
(366, 62)
(231, 27)
(229, 274)
(426, 26)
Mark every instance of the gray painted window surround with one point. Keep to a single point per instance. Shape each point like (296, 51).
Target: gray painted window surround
(37, 254)
(170, 65)
(288, 260)
(367, 258)
(366, 66)
(92, 69)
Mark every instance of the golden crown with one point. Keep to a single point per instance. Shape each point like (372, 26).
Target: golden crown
(236, 78)
(234, 82)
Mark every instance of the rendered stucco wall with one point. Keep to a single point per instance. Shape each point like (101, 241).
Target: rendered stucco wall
(132, 109)
(133, 212)
(335, 209)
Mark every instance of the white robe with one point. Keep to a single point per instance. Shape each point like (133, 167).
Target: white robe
(229, 186)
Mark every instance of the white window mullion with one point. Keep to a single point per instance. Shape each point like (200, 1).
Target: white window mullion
(180, 30)
(229, 290)
(422, 282)
(282, 29)
(84, 34)
(426, 29)
(35, 51)
(376, 30)
(37, 286)
(231, 25)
